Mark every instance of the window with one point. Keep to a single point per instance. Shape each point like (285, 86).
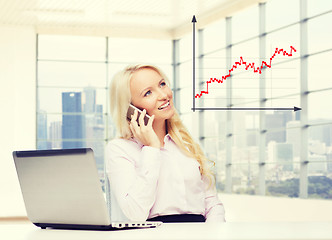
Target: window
(71, 93)
(266, 152)
(73, 76)
(256, 152)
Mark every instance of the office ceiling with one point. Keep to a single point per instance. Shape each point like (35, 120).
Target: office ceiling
(123, 18)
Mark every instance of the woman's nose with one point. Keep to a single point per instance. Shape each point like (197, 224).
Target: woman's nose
(162, 94)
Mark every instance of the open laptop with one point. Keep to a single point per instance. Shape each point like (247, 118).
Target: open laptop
(61, 189)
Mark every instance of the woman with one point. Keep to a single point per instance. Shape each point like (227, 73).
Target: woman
(156, 170)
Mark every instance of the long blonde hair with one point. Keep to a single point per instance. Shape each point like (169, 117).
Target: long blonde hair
(120, 98)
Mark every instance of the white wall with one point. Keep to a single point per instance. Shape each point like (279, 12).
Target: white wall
(18, 109)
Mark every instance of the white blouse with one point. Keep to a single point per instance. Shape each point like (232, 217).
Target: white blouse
(147, 182)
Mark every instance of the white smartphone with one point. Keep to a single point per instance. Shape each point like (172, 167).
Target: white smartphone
(131, 111)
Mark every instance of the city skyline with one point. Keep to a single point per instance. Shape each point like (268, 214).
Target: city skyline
(81, 125)
(87, 116)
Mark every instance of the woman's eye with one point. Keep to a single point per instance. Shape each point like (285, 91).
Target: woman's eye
(147, 93)
(163, 84)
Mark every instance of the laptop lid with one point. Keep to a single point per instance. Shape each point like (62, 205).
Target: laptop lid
(61, 187)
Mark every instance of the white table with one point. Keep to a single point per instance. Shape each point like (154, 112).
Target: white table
(191, 231)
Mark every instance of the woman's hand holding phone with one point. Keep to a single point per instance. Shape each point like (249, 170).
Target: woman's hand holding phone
(144, 133)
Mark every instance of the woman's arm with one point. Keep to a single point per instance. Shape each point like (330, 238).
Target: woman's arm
(214, 209)
(133, 179)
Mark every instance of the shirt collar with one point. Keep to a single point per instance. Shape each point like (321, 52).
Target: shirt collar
(167, 138)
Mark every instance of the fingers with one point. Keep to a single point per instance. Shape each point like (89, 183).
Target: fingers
(144, 133)
(140, 123)
(137, 123)
(134, 118)
(141, 118)
(151, 119)
(133, 123)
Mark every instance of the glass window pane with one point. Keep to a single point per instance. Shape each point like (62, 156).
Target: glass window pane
(81, 128)
(293, 134)
(74, 118)
(220, 173)
(132, 50)
(287, 101)
(92, 125)
(318, 6)
(283, 83)
(283, 39)
(320, 140)
(214, 37)
(210, 126)
(252, 121)
(54, 47)
(276, 120)
(246, 19)
(113, 68)
(319, 107)
(245, 176)
(186, 96)
(211, 147)
(220, 122)
(245, 81)
(214, 67)
(281, 13)
(245, 129)
(283, 155)
(186, 47)
(282, 178)
(319, 71)
(319, 38)
(168, 71)
(282, 163)
(185, 83)
(98, 147)
(190, 120)
(319, 181)
(90, 99)
(71, 74)
(284, 152)
(320, 159)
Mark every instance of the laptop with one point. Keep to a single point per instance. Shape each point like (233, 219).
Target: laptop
(61, 189)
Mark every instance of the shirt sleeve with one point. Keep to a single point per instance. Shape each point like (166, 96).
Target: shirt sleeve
(133, 181)
(214, 209)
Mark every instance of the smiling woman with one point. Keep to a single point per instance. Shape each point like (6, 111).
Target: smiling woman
(156, 170)
(149, 92)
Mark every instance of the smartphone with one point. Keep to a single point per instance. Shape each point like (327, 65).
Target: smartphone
(131, 111)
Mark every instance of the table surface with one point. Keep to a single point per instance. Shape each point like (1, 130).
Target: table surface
(192, 231)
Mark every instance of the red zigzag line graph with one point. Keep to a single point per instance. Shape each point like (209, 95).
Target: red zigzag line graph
(247, 65)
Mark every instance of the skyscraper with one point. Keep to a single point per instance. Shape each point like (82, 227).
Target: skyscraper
(42, 130)
(90, 100)
(94, 124)
(293, 134)
(55, 134)
(72, 120)
(275, 121)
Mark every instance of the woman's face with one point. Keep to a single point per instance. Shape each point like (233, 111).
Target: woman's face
(149, 91)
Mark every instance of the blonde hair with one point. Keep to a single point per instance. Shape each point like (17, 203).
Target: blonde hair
(120, 98)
